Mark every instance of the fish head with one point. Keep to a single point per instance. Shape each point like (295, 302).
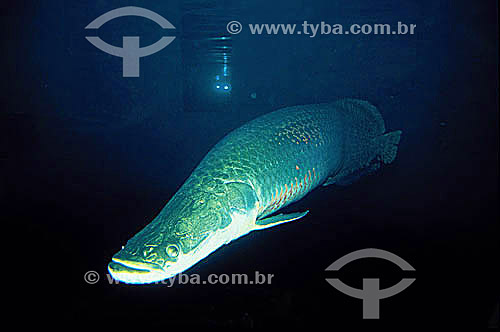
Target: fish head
(190, 227)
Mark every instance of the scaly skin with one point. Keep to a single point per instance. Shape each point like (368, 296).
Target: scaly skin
(254, 171)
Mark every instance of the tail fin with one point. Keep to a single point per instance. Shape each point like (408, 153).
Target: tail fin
(388, 144)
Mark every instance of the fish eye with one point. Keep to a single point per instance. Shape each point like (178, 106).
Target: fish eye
(172, 250)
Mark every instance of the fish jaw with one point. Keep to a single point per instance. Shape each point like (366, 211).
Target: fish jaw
(133, 272)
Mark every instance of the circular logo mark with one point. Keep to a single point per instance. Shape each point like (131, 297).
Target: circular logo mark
(234, 27)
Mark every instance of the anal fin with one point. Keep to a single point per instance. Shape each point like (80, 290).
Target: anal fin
(382, 149)
(346, 180)
(388, 144)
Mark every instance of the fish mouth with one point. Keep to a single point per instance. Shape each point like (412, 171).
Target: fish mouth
(136, 265)
(135, 272)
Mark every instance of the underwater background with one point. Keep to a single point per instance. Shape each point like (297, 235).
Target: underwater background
(90, 157)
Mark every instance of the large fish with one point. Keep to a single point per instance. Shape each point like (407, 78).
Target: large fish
(251, 173)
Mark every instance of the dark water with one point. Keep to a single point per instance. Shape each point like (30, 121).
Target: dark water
(90, 157)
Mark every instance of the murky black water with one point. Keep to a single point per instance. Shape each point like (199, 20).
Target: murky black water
(91, 157)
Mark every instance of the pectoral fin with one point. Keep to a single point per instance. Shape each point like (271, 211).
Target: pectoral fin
(278, 220)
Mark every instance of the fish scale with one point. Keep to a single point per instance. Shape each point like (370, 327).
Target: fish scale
(276, 150)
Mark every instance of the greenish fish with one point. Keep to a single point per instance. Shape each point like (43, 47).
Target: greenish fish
(250, 174)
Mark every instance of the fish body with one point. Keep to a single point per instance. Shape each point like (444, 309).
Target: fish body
(253, 172)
